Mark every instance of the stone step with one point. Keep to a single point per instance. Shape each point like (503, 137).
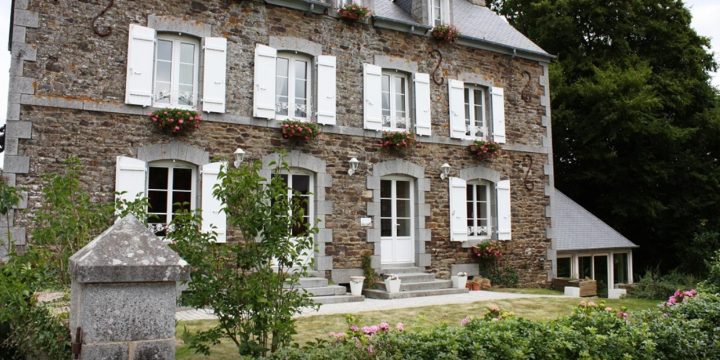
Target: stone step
(435, 284)
(407, 278)
(401, 270)
(331, 290)
(313, 282)
(380, 294)
(338, 299)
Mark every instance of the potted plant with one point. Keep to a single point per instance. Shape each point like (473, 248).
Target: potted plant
(299, 131)
(460, 280)
(353, 12)
(398, 141)
(446, 33)
(356, 285)
(392, 283)
(175, 122)
(484, 150)
(474, 284)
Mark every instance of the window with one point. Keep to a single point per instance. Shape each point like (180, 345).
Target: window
(292, 98)
(436, 11)
(395, 208)
(300, 185)
(585, 270)
(170, 189)
(479, 209)
(475, 112)
(395, 103)
(342, 3)
(176, 71)
(620, 268)
(564, 267)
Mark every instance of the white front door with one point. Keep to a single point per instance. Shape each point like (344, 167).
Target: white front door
(396, 221)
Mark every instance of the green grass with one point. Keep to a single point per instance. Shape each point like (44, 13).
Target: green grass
(312, 327)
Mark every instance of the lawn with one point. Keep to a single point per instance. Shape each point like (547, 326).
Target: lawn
(312, 327)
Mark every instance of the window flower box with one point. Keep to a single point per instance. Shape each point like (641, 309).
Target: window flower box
(175, 122)
(484, 150)
(446, 33)
(353, 12)
(299, 131)
(398, 141)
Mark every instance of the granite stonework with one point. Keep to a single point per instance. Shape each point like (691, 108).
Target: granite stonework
(74, 103)
(123, 294)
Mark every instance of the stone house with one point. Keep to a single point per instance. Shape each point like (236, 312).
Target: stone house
(86, 74)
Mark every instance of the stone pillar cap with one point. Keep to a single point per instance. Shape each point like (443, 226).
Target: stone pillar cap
(127, 252)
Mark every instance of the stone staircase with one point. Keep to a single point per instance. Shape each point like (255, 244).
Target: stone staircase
(323, 293)
(415, 282)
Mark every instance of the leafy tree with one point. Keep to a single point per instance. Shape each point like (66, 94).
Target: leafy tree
(635, 119)
(249, 283)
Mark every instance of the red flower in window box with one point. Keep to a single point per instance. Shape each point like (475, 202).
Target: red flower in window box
(299, 130)
(485, 150)
(447, 33)
(175, 122)
(397, 141)
(353, 12)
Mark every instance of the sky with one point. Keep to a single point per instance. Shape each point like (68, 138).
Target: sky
(705, 14)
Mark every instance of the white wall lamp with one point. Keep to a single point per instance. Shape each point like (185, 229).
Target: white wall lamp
(353, 166)
(239, 156)
(444, 171)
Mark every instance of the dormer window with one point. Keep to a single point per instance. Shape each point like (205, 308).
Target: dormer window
(439, 12)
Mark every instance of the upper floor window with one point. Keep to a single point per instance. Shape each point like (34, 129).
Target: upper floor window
(292, 87)
(475, 112)
(342, 3)
(395, 104)
(171, 187)
(176, 71)
(439, 12)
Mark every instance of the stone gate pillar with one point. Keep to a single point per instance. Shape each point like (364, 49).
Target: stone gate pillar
(124, 294)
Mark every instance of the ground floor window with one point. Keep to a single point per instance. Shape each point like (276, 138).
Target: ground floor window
(564, 267)
(171, 187)
(620, 268)
(300, 185)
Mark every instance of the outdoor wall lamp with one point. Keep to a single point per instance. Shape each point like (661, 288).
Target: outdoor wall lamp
(239, 156)
(444, 171)
(353, 166)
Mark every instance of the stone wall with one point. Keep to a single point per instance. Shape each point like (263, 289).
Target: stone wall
(76, 108)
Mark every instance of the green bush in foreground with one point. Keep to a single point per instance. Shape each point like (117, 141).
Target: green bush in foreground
(687, 329)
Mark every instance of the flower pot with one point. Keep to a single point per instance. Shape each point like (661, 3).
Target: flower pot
(392, 286)
(458, 282)
(349, 15)
(475, 287)
(356, 285)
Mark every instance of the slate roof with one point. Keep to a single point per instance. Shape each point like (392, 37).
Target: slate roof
(471, 20)
(574, 228)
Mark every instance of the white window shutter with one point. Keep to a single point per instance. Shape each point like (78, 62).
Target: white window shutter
(214, 64)
(458, 209)
(130, 176)
(498, 113)
(456, 99)
(422, 104)
(213, 217)
(139, 81)
(326, 90)
(372, 94)
(264, 94)
(503, 209)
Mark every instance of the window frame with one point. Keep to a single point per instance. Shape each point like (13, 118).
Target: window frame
(490, 208)
(469, 104)
(311, 192)
(443, 8)
(171, 165)
(292, 57)
(392, 101)
(176, 41)
(570, 259)
(393, 206)
(342, 3)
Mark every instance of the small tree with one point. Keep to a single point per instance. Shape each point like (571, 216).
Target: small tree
(249, 283)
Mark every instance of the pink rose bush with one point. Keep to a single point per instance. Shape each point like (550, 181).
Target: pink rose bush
(175, 122)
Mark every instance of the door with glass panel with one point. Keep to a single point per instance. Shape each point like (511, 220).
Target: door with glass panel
(396, 221)
(300, 185)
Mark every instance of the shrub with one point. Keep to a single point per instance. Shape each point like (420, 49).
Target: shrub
(175, 122)
(712, 283)
(654, 286)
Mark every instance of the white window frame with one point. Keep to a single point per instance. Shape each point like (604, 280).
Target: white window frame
(172, 165)
(439, 15)
(393, 206)
(469, 103)
(292, 57)
(177, 40)
(311, 188)
(489, 208)
(342, 3)
(393, 103)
